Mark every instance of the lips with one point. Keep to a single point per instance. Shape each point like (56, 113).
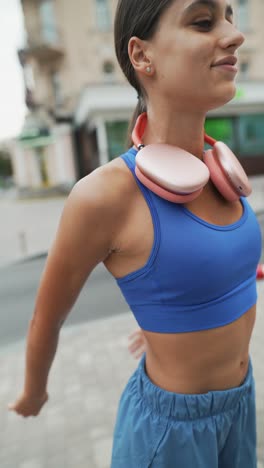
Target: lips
(229, 60)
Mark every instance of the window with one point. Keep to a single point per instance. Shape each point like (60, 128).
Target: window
(221, 129)
(29, 77)
(108, 71)
(48, 23)
(56, 88)
(103, 18)
(251, 136)
(116, 137)
(243, 14)
(243, 134)
(29, 85)
(108, 68)
(244, 70)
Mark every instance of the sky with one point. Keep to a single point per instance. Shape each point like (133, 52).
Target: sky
(12, 106)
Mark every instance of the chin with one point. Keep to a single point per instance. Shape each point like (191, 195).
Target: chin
(223, 97)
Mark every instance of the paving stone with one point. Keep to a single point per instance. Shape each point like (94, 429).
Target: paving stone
(31, 463)
(102, 452)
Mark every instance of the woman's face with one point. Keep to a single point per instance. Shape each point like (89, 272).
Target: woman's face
(193, 35)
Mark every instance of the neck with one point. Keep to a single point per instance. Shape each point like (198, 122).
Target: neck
(176, 128)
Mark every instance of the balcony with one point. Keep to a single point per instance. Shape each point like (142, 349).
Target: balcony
(43, 46)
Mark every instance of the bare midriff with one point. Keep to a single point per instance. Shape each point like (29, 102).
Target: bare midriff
(202, 361)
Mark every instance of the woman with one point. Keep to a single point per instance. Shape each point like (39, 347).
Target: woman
(191, 402)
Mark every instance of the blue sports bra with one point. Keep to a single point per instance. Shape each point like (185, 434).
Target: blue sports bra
(198, 275)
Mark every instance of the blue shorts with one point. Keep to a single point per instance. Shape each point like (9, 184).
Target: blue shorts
(160, 429)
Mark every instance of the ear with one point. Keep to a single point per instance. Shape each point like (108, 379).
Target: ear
(140, 56)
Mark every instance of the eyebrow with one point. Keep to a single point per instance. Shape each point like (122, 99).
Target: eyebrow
(212, 4)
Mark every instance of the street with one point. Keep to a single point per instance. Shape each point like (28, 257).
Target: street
(100, 297)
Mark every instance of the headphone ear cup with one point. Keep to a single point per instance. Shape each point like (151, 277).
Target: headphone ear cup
(164, 193)
(218, 177)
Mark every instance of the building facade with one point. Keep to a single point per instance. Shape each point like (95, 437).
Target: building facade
(80, 104)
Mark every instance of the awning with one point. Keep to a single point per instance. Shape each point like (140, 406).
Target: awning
(36, 142)
(98, 99)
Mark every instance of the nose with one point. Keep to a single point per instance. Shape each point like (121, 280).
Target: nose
(231, 37)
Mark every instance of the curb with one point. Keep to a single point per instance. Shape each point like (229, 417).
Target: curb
(32, 257)
(25, 259)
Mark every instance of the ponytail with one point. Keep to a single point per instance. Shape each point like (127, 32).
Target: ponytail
(140, 108)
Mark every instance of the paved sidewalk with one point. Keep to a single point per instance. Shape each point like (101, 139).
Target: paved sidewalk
(91, 368)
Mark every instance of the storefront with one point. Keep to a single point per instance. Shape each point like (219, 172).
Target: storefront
(43, 156)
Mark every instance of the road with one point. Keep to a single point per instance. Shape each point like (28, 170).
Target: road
(100, 297)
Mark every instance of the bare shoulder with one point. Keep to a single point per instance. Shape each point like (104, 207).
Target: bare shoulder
(92, 216)
(98, 206)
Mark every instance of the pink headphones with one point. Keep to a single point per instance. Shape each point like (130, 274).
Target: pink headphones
(179, 177)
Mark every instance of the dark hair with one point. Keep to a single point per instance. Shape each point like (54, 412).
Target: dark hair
(138, 18)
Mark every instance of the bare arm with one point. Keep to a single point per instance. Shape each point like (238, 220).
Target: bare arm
(84, 239)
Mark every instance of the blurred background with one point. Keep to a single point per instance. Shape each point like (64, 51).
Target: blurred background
(64, 111)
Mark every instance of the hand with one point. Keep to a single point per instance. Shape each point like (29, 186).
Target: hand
(28, 405)
(137, 343)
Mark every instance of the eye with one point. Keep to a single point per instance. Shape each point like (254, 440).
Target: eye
(204, 24)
